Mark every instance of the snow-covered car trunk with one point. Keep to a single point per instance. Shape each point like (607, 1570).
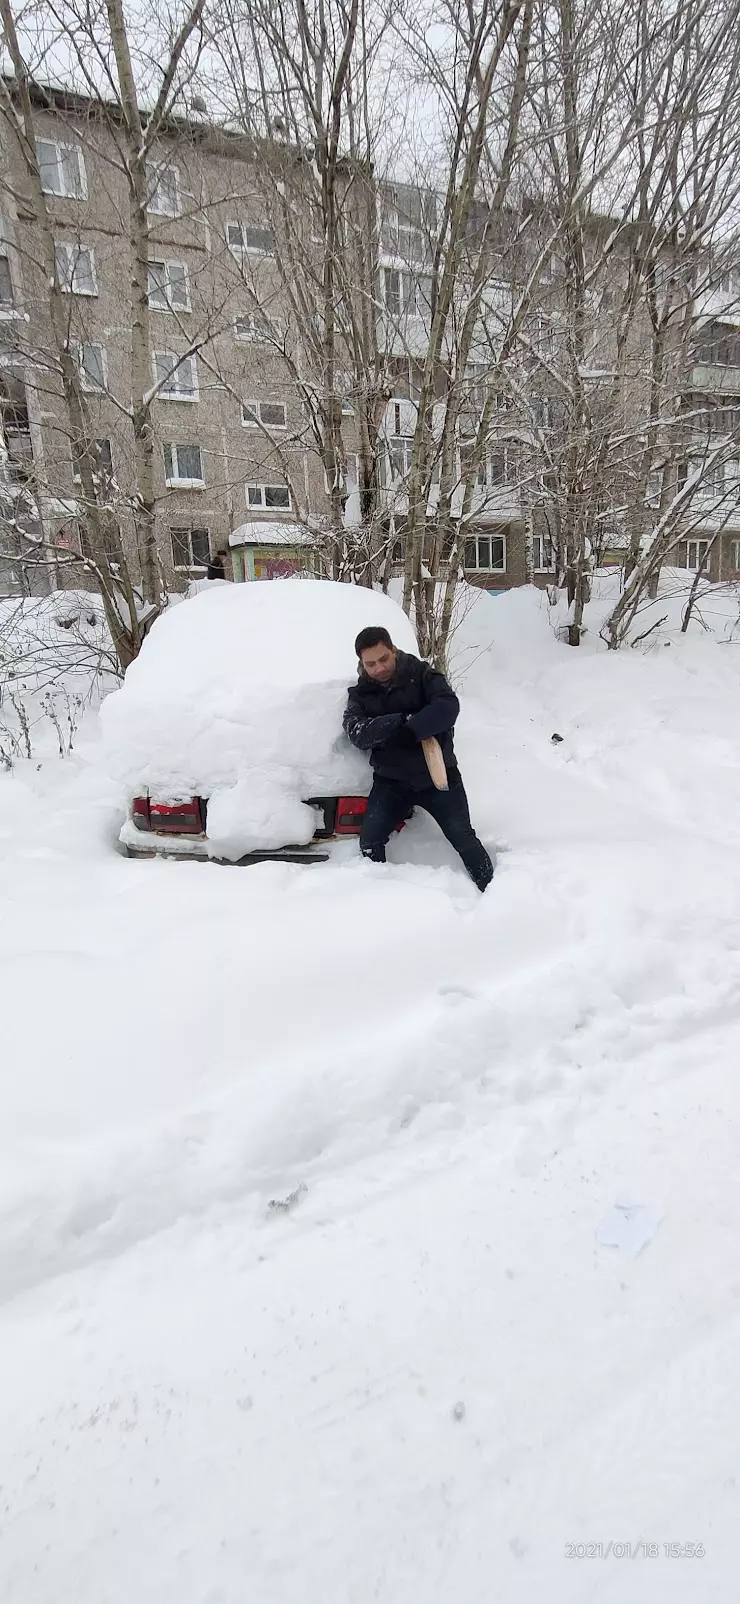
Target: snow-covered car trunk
(226, 736)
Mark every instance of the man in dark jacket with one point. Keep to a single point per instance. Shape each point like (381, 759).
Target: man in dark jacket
(397, 702)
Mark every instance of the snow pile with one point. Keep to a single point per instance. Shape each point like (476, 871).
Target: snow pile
(302, 1173)
(238, 696)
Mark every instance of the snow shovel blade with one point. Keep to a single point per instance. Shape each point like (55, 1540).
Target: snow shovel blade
(435, 762)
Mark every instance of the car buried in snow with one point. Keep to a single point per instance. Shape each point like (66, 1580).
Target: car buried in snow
(226, 738)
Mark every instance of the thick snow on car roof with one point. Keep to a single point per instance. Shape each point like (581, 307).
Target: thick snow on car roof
(238, 696)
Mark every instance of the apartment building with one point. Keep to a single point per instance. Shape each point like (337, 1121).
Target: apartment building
(236, 459)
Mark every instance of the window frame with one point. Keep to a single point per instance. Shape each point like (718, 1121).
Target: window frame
(192, 566)
(258, 422)
(70, 288)
(7, 305)
(93, 389)
(255, 337)
(244, 249)
(406, 441)
(541, 541)
(189, 396)
(693, 568)
(483, 568)
(264, 487)
(167, 263)
(177, 481)
(60, 145)
(159, 168)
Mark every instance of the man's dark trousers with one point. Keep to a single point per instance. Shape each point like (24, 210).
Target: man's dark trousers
(389, 803)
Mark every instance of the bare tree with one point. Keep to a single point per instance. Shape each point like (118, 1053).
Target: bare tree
(132, 592)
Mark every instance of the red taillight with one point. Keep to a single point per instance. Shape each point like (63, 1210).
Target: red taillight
(140, 813)
(178, 818)
(349, 816)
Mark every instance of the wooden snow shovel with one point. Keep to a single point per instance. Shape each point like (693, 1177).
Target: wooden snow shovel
(435, 762)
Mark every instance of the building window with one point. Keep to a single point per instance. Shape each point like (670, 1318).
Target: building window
(168, 287)
(177, 376)
(544, 554)
(408, 217)
(191, 548)
(696, 554)
(255, 327)
(269, 496)
(499, 466)
(486, 554)
(271, 414)
(92, 365)
(75, 266)
(62, 169)
(164, 190)
(183, 465)
(6, 283)
(101, 461)
(250, 237)
(725, 419)
(736, 555)
(410, 293)
(718, 346)
(400, 448)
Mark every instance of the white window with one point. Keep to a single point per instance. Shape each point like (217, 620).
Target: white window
(271, 414)
(92, 365)
(253, 326)
(268, 496)
(6, 283)
(696, 554)
(183, 465)
(168, 287)
(62, 169)
(486, 553)
(250, 237)
(410, 293)
(176, 375)
(191, 548)
(400, 448)
(102, 461)
(75, 266)
(736, 555)
(499, 466)
(544, 554)
(164, 190)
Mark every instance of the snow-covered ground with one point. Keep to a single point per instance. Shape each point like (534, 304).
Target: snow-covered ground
(301, 1171)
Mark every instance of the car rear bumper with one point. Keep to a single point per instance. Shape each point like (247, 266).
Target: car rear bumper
(134, 843)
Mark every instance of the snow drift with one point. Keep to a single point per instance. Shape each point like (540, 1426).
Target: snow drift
(238, 696)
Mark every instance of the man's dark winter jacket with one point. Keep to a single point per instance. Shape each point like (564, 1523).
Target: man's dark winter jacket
(390, 721)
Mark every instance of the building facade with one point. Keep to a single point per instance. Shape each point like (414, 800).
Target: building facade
(237, 466)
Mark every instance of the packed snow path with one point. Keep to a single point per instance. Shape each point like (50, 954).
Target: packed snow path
(421, 1376)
